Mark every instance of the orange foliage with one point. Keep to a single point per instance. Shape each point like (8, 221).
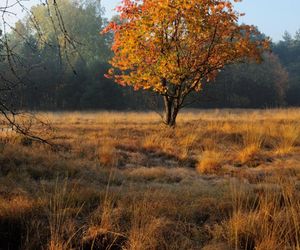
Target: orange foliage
(174, 46)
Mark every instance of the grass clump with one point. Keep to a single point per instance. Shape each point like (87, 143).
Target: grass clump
(107, 154)
(210, 162)
(253, 139)
(288, 138)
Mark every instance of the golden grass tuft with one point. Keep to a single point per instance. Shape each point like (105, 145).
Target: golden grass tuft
(159, 141)
(253, 138)
(188, 143)
(161, 174)
(107, 154)
(247, 154)
(210, 162)
(288, 138)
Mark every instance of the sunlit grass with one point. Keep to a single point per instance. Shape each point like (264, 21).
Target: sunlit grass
(222, 179)
(210, 162)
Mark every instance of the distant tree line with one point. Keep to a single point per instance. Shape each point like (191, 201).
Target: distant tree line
(73, 78)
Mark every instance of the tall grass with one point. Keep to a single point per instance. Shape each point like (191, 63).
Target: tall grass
(266, 220)
(62, 213)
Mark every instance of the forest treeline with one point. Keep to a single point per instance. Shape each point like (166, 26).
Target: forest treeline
(68, 74)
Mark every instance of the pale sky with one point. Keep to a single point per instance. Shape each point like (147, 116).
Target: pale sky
(272, 17)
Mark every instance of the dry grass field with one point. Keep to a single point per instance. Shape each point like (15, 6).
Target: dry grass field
(223, 179)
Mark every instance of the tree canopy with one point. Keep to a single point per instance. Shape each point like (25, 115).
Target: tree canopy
(174, 47)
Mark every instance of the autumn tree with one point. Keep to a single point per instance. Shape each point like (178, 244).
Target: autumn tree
(174, 47)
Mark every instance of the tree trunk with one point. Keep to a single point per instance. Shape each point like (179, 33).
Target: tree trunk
(168, 110)
(171, 111)
(174, 116)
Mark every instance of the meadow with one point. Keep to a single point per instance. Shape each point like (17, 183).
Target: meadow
(221, 180)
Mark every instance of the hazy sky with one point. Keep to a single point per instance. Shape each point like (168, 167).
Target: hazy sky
(272, 17)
